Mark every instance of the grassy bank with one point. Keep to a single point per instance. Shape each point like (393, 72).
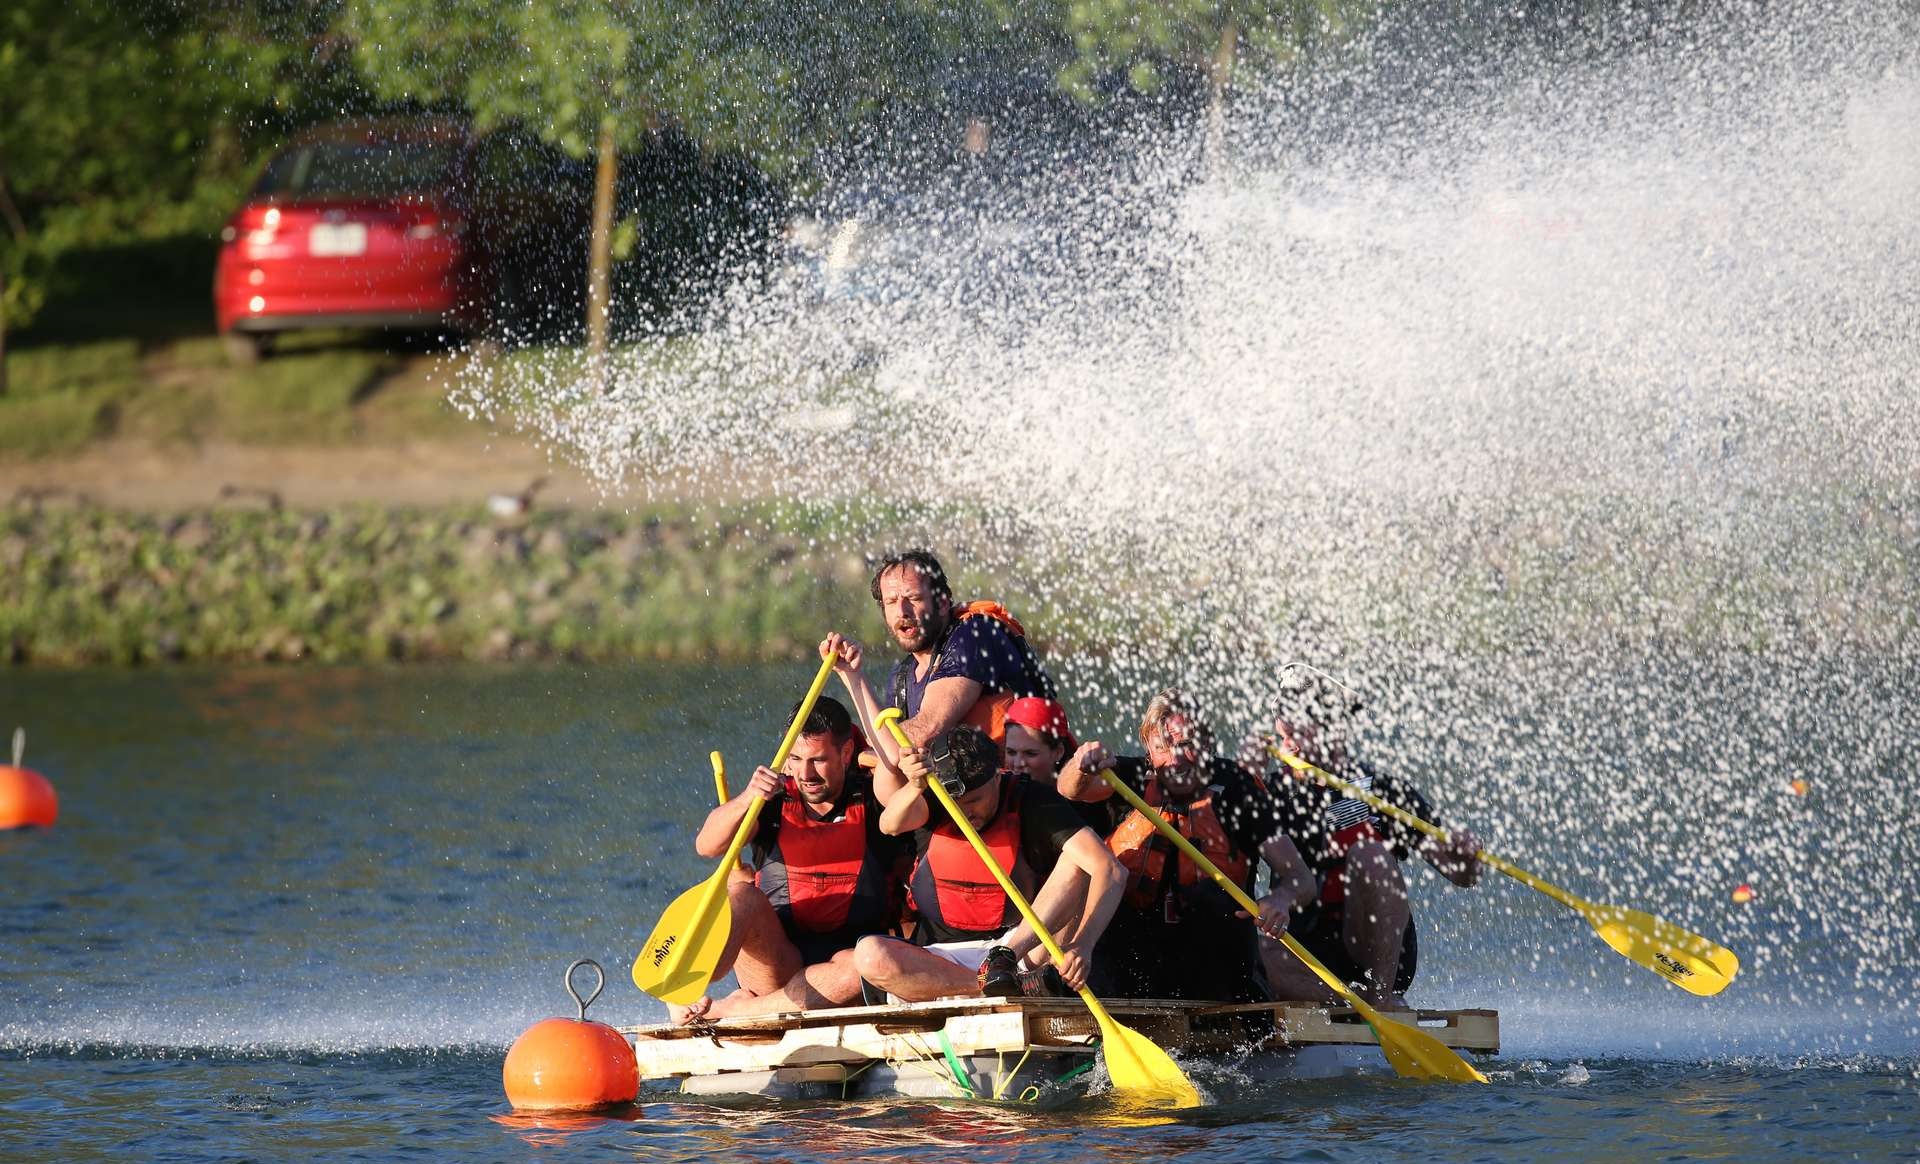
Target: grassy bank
(84, 586)
(320, 388)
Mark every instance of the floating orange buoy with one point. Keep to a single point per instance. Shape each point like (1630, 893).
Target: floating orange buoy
(1799, 787)
(562, 1064)
(1742, 893)
(26, 797)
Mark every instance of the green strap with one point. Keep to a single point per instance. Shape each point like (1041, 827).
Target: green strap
(960, 1075)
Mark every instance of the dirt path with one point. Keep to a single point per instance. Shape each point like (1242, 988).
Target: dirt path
(138, 476)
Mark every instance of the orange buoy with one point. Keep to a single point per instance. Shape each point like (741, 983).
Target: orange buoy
(26, 797)
(1742, 893)
(562, 1064)
(1799, 787)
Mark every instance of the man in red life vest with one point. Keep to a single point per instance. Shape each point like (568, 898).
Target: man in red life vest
(1177, 934)
(965, 663)
(825, 875)
(1361, 923)
(968, 936)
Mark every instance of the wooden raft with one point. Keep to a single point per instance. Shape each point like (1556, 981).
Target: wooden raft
(849, 1039)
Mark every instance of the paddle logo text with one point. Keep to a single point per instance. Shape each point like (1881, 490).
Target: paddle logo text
(661, 951)
(1673, 966)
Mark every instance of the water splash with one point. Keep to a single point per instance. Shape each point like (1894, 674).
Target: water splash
(1563, 397)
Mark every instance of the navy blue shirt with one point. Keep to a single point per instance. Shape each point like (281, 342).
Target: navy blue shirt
(982, 649)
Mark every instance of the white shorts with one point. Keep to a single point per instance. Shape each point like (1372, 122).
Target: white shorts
(966, 955)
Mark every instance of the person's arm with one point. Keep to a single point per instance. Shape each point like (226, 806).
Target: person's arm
(945, 703)
(849, 655)
(1294, 885)
(906, 810)
(1458, 860)
(1106, 879)
(1080, 776)
(716, 833)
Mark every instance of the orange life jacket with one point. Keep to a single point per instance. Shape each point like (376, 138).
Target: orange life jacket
(952, 888)
(1143, 852)
(821, 876)
(989, 712)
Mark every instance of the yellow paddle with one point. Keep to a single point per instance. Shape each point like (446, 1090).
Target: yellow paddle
(678, 959)
(1685, 959)
(1413, 1052)
(719, 776)
(1136, 1065)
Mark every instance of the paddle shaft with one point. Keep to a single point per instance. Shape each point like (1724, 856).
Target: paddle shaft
(1435, 831)
(986, 857)
(719, 777)
(717, 884)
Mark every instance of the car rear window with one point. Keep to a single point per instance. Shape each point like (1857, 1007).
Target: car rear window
(341, 169)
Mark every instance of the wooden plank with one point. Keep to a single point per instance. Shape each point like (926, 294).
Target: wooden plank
(851, 1044)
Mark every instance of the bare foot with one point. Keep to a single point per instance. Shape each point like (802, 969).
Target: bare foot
(693, 1012)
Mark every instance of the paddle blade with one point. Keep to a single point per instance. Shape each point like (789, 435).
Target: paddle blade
(1685, 959)
(1415, 1054)
(1142, 1070)
(677, 961)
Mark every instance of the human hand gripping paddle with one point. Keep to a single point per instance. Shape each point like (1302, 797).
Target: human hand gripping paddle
(1136, 1065)
(677, 961)
(1413, 1052)
(1685, 959)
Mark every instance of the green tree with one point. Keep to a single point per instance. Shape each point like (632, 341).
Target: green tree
(136, 120)
(761, 78)
(1144, 40)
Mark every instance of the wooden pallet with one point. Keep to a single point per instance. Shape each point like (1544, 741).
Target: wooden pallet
(855, 1038)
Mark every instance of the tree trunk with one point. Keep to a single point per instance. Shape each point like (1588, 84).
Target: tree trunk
(3, 329)
(600, 262)
(1219, 77)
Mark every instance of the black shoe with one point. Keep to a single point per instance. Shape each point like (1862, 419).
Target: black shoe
(1043, 983)
(1000, 973)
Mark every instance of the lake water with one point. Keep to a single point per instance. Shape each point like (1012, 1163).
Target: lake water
(301, 913)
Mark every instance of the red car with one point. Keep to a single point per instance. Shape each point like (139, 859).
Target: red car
(415, 224)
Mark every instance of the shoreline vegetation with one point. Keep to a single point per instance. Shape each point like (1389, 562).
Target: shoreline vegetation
(250, 581)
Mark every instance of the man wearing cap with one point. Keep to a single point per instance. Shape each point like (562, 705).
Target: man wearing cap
(965, 663)
(825, 875)
(1361, 922)
(968, 936)
(1177, 934)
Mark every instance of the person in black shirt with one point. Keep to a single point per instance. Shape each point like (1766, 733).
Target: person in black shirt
(1361, 923)
(824, 876)
(1177, 934)
(968, 936)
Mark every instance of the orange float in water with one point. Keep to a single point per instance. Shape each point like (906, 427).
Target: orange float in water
(26, 797)
(1742, 894)
(561, 1064)
(1799, 787)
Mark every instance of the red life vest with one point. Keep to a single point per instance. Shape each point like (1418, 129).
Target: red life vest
(1333, 890)
(1143, 852)
(953, 889)
(819, 871)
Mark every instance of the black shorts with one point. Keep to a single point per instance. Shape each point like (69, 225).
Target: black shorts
(1320, 933)
(816, 948)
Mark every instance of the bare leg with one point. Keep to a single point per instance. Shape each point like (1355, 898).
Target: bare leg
(1375, 923)
(1288, 978)
(824, 984)
(910, 972)
(758, 952)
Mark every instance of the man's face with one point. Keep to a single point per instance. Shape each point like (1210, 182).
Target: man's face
(981, 805)
(1322, 745)
(819, 767)
(915, 617)
(1176, 754)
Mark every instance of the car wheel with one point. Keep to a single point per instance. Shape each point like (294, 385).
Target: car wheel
(246, 348)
